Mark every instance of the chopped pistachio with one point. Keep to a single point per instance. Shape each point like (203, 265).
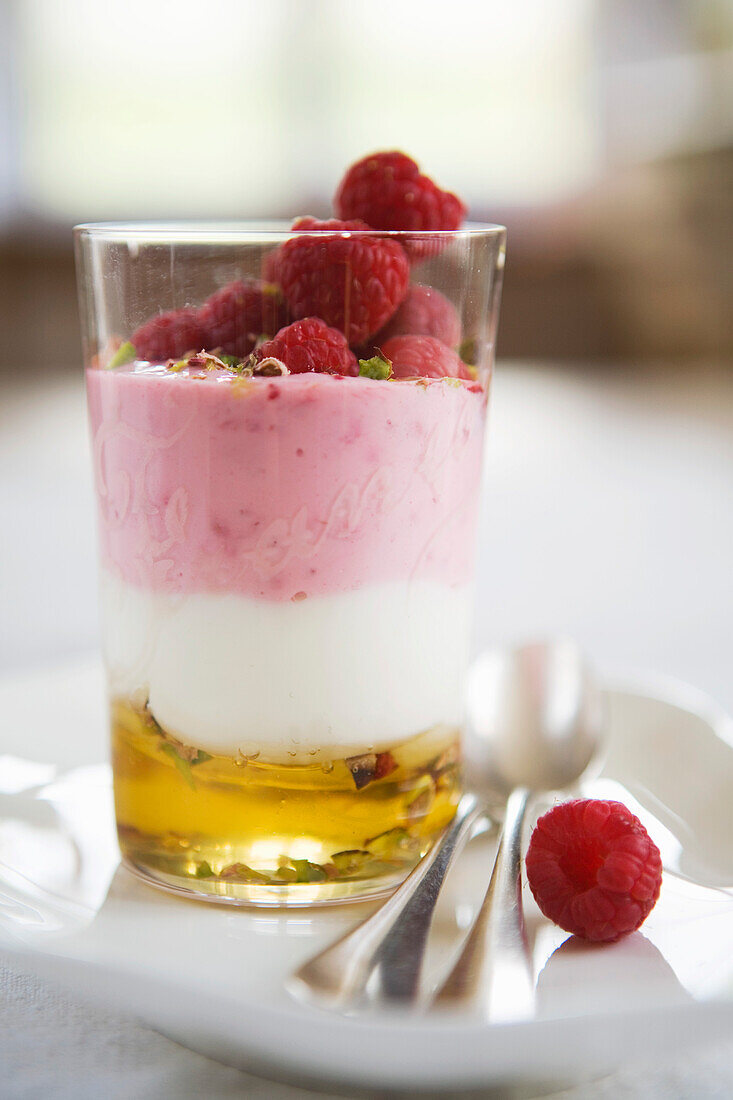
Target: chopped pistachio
(284, 874)
(308, 872)
(469, 350)
(204, 870)
(378, 367)
(421, 804)
(394, 841)
(180, 762)
(269, 368)
(183, 757)
(125, 354)
(207, 360)
(448, 759)
(363, 768)
(351, 861)
(241, 872)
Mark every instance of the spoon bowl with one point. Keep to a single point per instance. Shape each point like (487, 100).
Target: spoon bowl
(536, 724)
(535, 718)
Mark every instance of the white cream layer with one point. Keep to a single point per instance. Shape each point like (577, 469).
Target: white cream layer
(324, 678)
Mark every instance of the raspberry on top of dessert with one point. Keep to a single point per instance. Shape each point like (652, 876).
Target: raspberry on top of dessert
(346, 281)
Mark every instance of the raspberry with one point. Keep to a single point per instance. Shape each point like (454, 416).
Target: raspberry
(271, 266)
(594, 869)
(424, 312)
(423, 357)
(237, 315)
(169, 335)
(310, 345)
(388, 191)
(353, 283)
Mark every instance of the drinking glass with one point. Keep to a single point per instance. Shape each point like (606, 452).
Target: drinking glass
(286, 557)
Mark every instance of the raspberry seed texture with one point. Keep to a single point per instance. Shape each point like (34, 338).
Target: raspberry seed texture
(310, 345)
(388, 191)
(234, 317)
(424, 312)
(593, 869)
(168, 335)
(423, 357)
(354, 283)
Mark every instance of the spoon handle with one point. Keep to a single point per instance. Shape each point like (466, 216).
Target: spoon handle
(494, 970)
(393, 938)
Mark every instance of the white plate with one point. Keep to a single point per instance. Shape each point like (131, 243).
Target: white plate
(212, 977)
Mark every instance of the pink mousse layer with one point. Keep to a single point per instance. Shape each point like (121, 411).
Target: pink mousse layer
(284, 488)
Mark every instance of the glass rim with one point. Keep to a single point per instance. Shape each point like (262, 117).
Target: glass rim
(258, 231)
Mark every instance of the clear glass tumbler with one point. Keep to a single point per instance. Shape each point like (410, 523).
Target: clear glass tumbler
(287, 536)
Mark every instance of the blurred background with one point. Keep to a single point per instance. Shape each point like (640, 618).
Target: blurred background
(599, 131)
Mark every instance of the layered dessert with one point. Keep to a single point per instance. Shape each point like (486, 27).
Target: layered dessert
(287, 512)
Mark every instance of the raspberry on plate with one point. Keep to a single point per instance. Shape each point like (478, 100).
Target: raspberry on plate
(423, 357)
(424, 312)
(354, 283)
(388, 191)
(593, 869)
(168, 335)
(236, 316)
(310, 345)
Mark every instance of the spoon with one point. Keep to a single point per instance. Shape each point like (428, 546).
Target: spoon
(383, 955)
(536, 719)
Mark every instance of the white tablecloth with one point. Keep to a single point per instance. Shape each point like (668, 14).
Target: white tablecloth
(53, 1045)
(607, 516)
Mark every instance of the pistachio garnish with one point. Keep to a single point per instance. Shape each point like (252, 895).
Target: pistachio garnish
(378, 367)
(183, 756)
(362, 768)
(443, 767)
(421, 804)
(269, 368)
(350, 861)
(183, 761)
(283, 874)
(370, 766)
(308, 872)
(394, 843)
(231, 361)
(125, 354)
(469, 350)
(241, 872)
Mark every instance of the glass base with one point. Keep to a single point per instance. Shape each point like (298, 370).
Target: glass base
(290, 895)
(252, 832)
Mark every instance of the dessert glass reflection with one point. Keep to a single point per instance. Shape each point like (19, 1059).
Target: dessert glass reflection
(287, 553)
